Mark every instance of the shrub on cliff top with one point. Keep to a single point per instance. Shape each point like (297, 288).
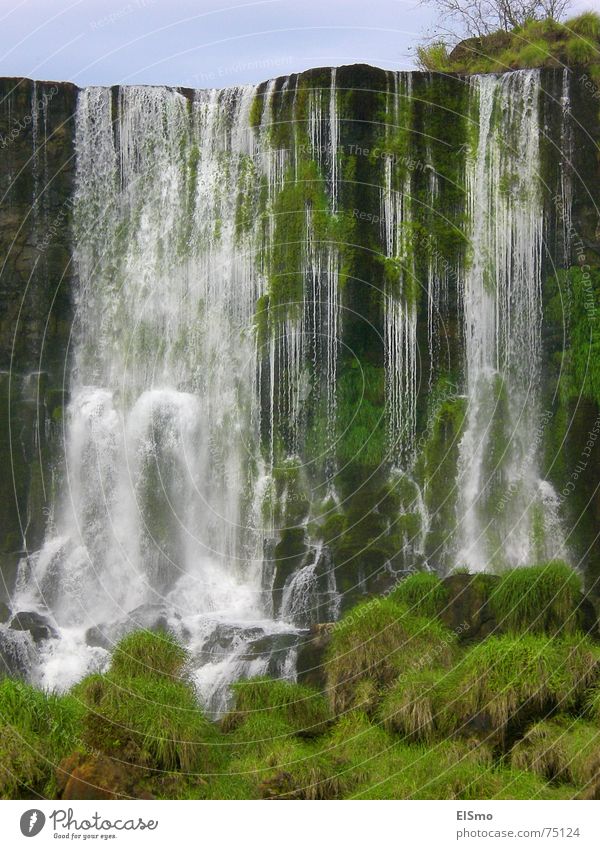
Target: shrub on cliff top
(546, 43)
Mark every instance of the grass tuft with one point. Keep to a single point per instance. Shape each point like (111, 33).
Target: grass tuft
(301, 708)
(562, 749)
(148, 653)
(538, 599)
(36, 731)
(423, 593)
(379, 640)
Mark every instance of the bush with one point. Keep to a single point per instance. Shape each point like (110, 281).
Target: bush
(434, 57)
(149, 654)
(409, 708)
(142, 710)
(537, 44)
(534, 55)
(586, 25)
(538, 599)
(580, 51)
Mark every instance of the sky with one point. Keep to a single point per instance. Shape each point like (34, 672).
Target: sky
(206, 43)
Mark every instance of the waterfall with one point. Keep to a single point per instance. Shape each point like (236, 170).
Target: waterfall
(400, 308)
(500, 493)
(215, 449)
(162, 434)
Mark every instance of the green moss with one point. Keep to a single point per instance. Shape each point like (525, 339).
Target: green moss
(437, 468)
(538, 599)
(380, 640)
(423, 594)
(256, 110)
(361, 421)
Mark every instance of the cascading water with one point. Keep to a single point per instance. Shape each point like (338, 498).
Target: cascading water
(504, 513)
(162, 439)
(209, 369)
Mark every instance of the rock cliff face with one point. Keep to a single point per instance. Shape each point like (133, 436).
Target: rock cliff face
(36, 177)
(370, 141)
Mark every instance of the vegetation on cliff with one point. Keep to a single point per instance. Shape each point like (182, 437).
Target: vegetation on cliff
(535, 44)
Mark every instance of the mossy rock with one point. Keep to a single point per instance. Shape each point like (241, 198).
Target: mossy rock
(467, 611)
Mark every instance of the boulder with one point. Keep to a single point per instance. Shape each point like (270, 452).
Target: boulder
(467, 611)
(36, 623)
(148, 617)
(310, 664)
(89, 777)
(17, 653)
(5, 613)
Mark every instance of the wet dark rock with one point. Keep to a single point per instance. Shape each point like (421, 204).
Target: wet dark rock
(17, 653)
(5, 612)
(275, 647)
(88, 777)
(310, 665)
(467, 610)
(148, 617)
(36, 623)
(588, 617)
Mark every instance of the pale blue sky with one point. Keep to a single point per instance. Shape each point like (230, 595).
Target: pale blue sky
(205, 43)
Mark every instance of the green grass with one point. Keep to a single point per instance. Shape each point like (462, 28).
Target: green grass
(409, 707)
(586, 25)
(380, 640)
(147, 653)
(423, 594)
(538, 599)
(562, 750)
(299, 708)
(143, 711)
(504, 680)
(36, 731)
(536, 44)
